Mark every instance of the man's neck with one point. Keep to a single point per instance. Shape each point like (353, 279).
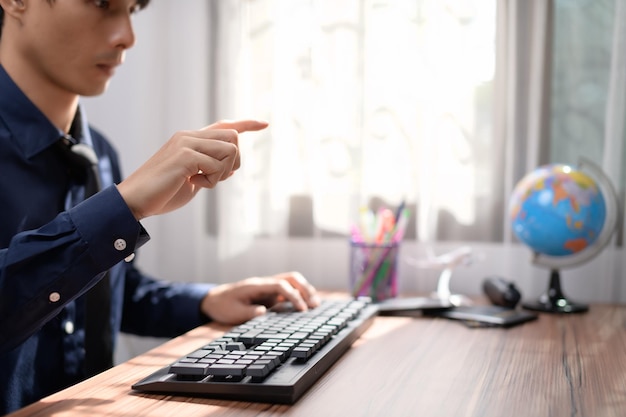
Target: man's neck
(58, 105)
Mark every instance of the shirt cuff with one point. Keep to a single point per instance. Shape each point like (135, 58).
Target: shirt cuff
(108, 227)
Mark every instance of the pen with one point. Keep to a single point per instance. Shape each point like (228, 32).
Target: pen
(399, 211)
(385, 225)
(401, 225)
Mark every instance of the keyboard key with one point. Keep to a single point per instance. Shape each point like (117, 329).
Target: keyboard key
(181, 368)
(219, 369)
(199, 353)
(301, 352)
(235, 346)
(258, 370)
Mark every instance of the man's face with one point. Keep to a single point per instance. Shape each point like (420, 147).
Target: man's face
(75, 44)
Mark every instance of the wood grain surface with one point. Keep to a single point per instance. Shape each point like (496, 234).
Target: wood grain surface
(558, 365)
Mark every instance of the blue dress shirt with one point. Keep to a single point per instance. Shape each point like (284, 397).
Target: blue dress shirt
(52, 254)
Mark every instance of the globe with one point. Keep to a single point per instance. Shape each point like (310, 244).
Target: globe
(566, 216)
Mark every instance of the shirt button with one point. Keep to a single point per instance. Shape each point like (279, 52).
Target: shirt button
(69, 327)
(130, 257)
(54, 297)
(120, 244)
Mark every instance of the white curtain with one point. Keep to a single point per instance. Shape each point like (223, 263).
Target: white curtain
(442, 103)
(522, 90)
(370, 103)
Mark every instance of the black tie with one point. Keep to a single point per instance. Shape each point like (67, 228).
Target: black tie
(83, 165)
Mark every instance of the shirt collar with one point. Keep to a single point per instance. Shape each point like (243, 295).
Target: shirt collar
(30, 128)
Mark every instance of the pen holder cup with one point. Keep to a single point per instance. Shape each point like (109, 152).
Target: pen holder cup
(373, 270)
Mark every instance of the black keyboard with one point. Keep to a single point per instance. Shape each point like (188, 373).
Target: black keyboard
(273, 358)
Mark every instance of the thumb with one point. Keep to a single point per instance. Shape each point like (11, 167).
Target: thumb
(251, 311)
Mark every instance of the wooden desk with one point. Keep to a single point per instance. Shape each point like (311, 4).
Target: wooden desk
(559, 365)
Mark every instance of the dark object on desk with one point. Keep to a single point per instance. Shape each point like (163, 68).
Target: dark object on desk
(554, 301)
(501, 292)
(273, 358)
(486, 316)
(410, 305)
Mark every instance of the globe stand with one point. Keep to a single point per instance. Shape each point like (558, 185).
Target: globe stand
(607, 205)
(554, 301)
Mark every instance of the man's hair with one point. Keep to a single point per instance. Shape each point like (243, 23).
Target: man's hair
(141, 3)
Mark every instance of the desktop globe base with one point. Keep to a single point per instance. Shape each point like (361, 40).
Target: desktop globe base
(561, 305)
(554, 301)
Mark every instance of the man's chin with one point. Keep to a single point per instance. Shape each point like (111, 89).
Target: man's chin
(94, 90)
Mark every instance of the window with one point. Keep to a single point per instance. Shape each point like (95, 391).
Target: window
(370, 103)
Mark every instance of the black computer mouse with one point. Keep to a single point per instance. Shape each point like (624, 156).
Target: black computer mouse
(501, 292)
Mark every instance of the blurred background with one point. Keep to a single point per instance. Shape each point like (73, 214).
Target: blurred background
(442, 105)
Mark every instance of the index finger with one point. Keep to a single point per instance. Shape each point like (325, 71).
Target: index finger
(306, 290)
(239, 125)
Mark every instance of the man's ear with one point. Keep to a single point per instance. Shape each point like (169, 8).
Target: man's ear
(13, 7)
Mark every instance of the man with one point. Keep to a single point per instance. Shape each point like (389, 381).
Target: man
(57, 248)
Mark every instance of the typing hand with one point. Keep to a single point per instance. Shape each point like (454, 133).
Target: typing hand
(189, 161)
(237, 302)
